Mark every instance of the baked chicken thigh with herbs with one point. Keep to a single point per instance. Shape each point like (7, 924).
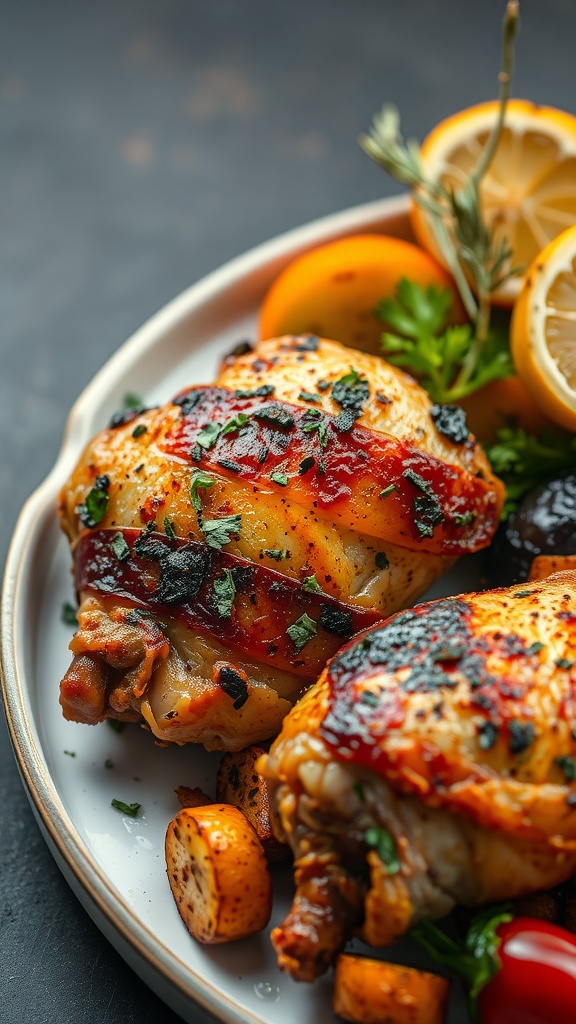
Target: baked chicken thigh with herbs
(226, 544)
(434, 763)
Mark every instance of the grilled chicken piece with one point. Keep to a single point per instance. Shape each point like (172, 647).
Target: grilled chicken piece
(433, 763)
(226, 544)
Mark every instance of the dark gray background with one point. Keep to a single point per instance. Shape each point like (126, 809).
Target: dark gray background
(144, 142)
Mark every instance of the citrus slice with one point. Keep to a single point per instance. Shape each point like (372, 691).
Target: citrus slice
(543, 330)
(529, 191)
(332, 291)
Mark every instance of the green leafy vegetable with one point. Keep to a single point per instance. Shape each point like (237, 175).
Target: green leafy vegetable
(384, 843)
(236, 423)
(132, 401)
(208, 435)
(139, 430)
(301, 631)
(130, 809)
(476, 960)
(279, 478)
(522, 460)
(199, 479)
(311, 583)
(120, 547)
(276, 553)
(95, 507)
(225, 592)
(68, 614)
(169, 529)
(219, 532)
(567, 766)
(418, 341)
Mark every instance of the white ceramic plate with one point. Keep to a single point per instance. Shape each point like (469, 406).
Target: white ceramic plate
(115, 864)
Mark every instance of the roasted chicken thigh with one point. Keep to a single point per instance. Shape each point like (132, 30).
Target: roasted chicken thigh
(226, 544)
(433, 763)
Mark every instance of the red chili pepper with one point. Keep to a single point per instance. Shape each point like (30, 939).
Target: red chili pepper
(536, 983)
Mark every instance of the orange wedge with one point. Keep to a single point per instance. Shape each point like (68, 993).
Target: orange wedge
(333, 290)
(543, 330)
(529, 190)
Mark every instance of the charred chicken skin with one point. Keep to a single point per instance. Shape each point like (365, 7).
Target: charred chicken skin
(433, 763)
(226, 544)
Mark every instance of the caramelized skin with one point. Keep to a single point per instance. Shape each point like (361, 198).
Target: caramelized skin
(453, 727)
(140, 655)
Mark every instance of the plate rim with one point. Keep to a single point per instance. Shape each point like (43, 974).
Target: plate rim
(174, 981)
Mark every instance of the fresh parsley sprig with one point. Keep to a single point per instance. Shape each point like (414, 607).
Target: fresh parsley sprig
(418, 340)
(522, 460)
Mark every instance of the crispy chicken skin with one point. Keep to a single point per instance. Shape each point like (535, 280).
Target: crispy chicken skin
(449, 732)
(346, 495)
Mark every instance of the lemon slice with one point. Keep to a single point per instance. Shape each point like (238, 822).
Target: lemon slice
(543, 330)
(529, 191)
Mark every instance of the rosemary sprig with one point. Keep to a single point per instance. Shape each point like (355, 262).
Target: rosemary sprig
(468, 245)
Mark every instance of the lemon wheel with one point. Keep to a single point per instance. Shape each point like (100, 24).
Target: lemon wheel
(529, 191)
(543, 330)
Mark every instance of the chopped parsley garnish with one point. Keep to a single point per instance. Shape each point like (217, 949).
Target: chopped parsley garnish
(301, 631)
(563, 663)
(450, 420)
(68, 614)
(309, 396)
(95, 507)
(567, 766)
(345, 420)
(120, 547)
(236, 423)
(115, 725)
(261, 392)
(350, 392)
(323, 385)
(225, 592)
(534, 648)
(279, 478)
(382, 840)
(367, 697)
(427, 510)
(219, 532)
(359, 790)
(387, 491)
(521, 735)
(321, 426)
(381, 559)
(199, 479)
(463, 518)
(275, 416)
(70, 753)
(487, 735)
(311, 583)
(139, 430)
(169, 529)
(523, 593)
(276, 553)
(306, 464)
(131, 401)
(208, 435)
(130, 809)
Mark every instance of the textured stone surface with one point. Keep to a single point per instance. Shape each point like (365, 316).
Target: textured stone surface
(144, 143)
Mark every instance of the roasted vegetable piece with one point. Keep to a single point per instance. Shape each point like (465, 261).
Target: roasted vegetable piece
(370, 991)
(218, 873)
(433, 764)
(239, 783)
(195, 797)
(546, 565)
